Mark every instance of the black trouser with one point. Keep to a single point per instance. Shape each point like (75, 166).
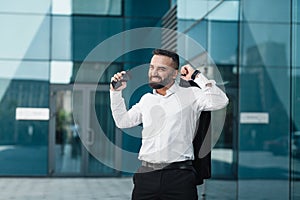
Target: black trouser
(164, 184)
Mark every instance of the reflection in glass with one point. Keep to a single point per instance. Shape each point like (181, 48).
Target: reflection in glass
(267, 11)
(105, 145)
(266, 44)
(186, 9)
(223, 41)
(226, 11)
(24, 36)
(67, 141)
(61, 72)
(88, 32)
(62, 7)
(264, 154)
(23, 143)
(295, 133)
(28, 6)
(296, 46)
(264, 146)
(198, 32)
(61, 48)
(138, 8)
(97, 7)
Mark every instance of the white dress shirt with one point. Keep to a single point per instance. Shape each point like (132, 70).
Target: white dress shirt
(169, 121)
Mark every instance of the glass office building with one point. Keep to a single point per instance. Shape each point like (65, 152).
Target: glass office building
(255, 45)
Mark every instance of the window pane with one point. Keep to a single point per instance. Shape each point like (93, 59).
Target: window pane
(137, 23)
(61, 38)
(61, 72)
(24, 70)
(198, 32)
(138, 8)
(97, 7)
(88, 32)
(223, 42)
(28, 6)
(62, 7)
(296, 46)
(187, 9)
(24, 36)
(265, 44)
(267, 10)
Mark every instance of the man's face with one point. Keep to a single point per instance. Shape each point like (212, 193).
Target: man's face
(161, 72)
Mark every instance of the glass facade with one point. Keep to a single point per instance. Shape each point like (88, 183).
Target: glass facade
(24, 62)
(295, 100)
(255, 45)
(43, 44)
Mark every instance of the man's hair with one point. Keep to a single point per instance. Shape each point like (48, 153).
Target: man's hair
(170, 54)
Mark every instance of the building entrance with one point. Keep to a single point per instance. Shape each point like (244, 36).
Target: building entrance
(69, 139)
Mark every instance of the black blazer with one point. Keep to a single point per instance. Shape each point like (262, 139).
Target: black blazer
(201, 165)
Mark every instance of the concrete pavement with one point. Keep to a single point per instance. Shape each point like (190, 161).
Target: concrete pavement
(120, 189)
(65, 188)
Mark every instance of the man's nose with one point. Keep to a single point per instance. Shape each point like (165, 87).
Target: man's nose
(154, 72)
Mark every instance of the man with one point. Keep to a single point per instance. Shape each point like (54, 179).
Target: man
(169, 117)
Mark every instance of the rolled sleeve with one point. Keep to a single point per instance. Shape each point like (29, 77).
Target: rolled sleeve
(202, 81)
(122, 117)
(215, 98)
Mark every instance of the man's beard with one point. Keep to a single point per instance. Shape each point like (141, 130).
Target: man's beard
(161, 84)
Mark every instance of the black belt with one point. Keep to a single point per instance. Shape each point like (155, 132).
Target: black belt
(175, 165)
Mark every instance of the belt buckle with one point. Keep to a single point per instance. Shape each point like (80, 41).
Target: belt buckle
(157, 166)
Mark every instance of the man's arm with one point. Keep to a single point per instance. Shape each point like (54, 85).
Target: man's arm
(213, 98)
(122, 117)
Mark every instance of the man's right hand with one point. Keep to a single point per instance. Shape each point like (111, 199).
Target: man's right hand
(118, 77)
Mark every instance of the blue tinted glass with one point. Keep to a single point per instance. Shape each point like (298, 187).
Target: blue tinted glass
(97, 7)
(199, 33)
(223, 42)
(295, 132)
(137, 23)
(61, 38)
(146, 8)
(88, 32)
(184, 24)
(296, 98)
(264, 131)
(224, 154)
(261, 94)
(267, 10)
(24, 36)
(296, 46)
(28, 6)
(24, 143)
(297, 11)
(295, 168)
(265, 44)
(137, 57)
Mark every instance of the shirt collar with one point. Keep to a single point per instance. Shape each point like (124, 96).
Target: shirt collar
(170, 91)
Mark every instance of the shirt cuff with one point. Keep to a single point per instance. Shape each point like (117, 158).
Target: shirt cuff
(202, 81)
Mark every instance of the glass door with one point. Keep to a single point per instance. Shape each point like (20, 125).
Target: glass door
(72, 133)
(102, 131)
